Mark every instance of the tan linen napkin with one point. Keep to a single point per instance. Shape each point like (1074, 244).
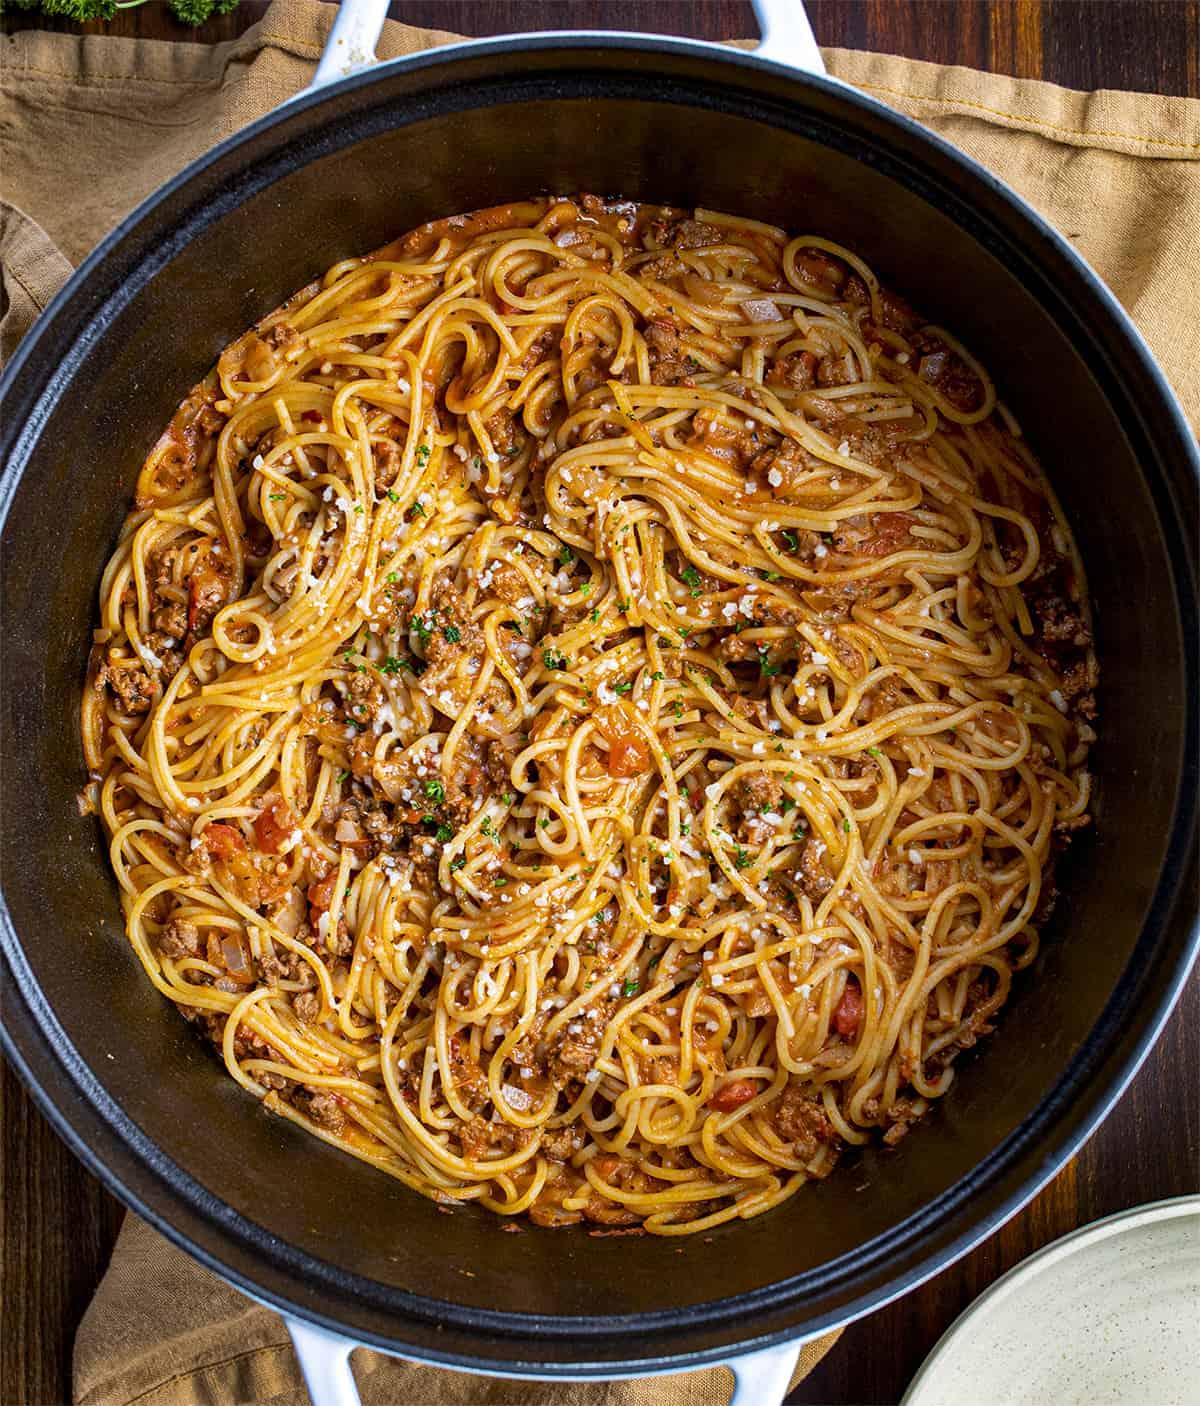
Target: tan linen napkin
(1118, 172)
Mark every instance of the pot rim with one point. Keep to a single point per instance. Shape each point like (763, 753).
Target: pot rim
(244, 1253)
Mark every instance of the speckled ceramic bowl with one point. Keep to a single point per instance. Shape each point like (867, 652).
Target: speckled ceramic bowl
(1108, 1315)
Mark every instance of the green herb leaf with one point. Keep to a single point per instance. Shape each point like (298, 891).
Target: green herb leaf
(435, 791)
(630, 986)
(393, 496)
(622, 687)
(452, 633)
(444, 834)
(554, 659)
(423, 452)
(391, 665)
(458, 862)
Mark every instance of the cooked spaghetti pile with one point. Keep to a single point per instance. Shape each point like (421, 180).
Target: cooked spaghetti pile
(586, 707)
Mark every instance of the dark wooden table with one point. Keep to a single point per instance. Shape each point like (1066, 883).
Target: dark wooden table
(57, 1225)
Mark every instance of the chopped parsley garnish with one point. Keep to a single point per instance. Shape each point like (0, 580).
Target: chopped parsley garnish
(499, 881)
(595, 615)
(623, 607)
(508, 797)
(458, 862)
(630, 986)
(766, 668)
(554, 659)
(392, 577)
(423, 452)
(769, 575)
(342, 776)
(622, 687)
(417, 510)
(391, 665)
(544, 823)
(586, 589)
(741, 859)
(435, 791)
(421, 628)
(444, 834)
(786, 804)
(393, 496)
(511, 625)
(793, 542)
(452, 633)
(874, 752)
(278, 497)
(691, 577)
(486, 828)
(846, 826)
(358, 507)
(565, 555)
(657, 675)
(677, 707)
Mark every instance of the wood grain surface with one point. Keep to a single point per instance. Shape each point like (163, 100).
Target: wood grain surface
(57, 1225)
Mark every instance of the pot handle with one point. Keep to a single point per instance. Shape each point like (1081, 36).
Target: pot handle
(762, 1378)
(787, 38)
(759, 1378)
(787, 35)
(324, 1359)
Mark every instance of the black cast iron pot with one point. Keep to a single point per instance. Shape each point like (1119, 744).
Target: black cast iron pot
(130, 1086)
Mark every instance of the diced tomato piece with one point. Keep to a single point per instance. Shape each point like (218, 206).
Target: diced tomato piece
(206, 595)
(890, 534)
(849, 1011)
(628, 756)
(274, 825)
(223, 841)
(733, 1095)
(320, 896)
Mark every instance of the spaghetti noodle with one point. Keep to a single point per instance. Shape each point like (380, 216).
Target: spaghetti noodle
(585, 708)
